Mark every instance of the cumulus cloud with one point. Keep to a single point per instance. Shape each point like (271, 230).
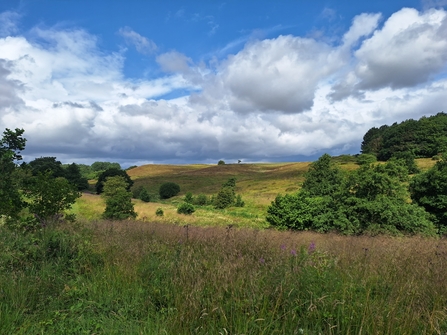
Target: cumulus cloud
(275, 98)
(8, 23)
(141, 43)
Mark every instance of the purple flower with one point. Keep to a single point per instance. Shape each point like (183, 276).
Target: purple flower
(283, 247)
(293, 252)
(311, 248)
(262, 260)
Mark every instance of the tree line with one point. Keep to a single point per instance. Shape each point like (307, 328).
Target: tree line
(426, 137)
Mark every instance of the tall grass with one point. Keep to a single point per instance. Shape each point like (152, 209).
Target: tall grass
(156, 278)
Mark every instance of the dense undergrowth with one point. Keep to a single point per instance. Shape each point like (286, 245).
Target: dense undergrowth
(135, 277)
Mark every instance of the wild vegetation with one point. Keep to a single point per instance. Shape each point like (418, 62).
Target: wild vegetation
(189, 265)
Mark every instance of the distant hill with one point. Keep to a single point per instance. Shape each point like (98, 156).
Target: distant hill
(424, 138)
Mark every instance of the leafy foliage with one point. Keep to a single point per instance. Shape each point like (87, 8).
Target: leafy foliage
(159, 212)
(44, 165)
(221, 162)
(144, 195)
(225, 198)
(371, 200)
(201, 200)
(189, 198)
(48, 197)
(185, 208)
(74, 176)
(424, 138)
(429, 190)
(11, 144)
(119, 204)
(111, 173)
(169, 190)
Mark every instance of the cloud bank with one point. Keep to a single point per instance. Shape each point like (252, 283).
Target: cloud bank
(276, 99)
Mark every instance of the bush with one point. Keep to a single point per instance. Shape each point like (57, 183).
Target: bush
(111, 173)
(201, 200)
(159, 212)
(366, 159)
(221, 162)
(186, 208)
(225, 198)
(169, 190)
(189, 198)
(239, 202)
(144, 195)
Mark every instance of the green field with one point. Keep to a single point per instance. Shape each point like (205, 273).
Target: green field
(217, 271)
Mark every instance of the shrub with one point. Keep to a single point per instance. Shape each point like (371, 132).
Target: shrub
(168, 190)
(225, 198)
(221, 162)
(364, 159)
(159, 212)
(111, 173)
(189, 198)
(201, 200)
(239, 202)
(144, 195)
(186, 208)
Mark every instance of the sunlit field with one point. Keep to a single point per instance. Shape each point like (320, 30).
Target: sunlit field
(217, 271)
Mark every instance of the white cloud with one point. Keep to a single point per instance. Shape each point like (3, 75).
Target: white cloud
(141, 43)
(281, 97)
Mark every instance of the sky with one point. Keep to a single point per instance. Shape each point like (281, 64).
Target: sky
(180, 82)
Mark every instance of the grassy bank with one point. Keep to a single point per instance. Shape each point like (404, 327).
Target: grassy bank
(158, 278)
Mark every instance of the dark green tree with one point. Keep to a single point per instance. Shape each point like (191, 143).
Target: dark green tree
(225, 198)
(169, 190)
(144, 195)
(323, 178)
(112, 172)
(11, 144)
(49, 197)
(43, 165)
(429, 190)
(102, 166)
(74, 176)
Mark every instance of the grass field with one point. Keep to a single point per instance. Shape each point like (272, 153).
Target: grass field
(217, 271)
(258, 184)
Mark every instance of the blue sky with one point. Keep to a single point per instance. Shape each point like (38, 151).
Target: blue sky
(197, 81)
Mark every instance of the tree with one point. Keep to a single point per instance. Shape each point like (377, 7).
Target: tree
(48, 197)
(73, 175)
(370, 200)
(323, 178)
(43, 165)
(185, 208)
(169, 190)
(144, 195)
(11, 144)
(112, 172)
(221, 162)
(102, 166)
(429, 190)
(225, 198)
(119, 204)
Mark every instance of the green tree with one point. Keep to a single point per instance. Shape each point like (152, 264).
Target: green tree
(323, 178)
(221, 162)
(11, 144)
(429, 190)
(144, 195)
(112, 172)
(74, 176)
(225, 198)
(48, 197)
(189, 198)
(185, 208)
(169, 190)
(102, 166)
(119, 204)
(43, 165)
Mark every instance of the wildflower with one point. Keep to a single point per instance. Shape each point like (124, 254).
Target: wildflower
(293, 252)
(262, 260)
(311, 248)
(283, 247)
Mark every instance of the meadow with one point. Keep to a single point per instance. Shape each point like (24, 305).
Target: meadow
(217, 271)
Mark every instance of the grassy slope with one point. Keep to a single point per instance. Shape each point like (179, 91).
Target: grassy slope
(257, 183)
